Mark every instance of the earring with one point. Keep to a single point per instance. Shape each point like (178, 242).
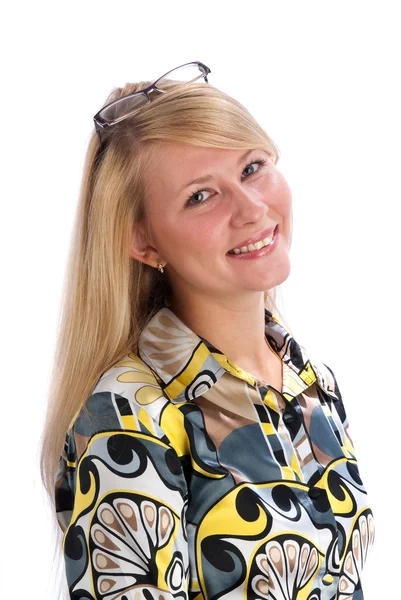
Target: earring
(160, 266)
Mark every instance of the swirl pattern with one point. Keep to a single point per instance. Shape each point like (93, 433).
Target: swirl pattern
(184, 477)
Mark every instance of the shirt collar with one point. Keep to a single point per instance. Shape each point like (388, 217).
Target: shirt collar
(188, 365)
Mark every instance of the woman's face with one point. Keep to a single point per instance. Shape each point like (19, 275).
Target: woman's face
(192, 231)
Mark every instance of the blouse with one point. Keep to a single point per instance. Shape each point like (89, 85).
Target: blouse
(184, 477)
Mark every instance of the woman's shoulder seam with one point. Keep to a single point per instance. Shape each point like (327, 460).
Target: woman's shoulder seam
(128, 395)
(129, 373)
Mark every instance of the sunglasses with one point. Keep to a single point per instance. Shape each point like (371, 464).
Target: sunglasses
(122, 108)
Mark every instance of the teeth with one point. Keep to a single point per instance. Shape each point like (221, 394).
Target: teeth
(257, 246)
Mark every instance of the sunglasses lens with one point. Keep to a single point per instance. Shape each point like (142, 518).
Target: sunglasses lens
(124, 107)
(186, 73)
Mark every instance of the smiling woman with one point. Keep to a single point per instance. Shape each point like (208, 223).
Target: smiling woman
(192, 446)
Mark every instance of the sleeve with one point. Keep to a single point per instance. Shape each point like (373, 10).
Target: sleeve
(126, 537)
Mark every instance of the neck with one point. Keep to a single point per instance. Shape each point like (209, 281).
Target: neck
(236, 328)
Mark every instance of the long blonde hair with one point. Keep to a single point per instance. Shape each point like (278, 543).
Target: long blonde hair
(108, 297)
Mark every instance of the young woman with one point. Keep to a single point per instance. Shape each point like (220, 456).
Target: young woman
(206, 454)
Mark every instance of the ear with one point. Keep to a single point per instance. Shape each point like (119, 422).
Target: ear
(141, 247)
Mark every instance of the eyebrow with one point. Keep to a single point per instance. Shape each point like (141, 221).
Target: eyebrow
(206, 178)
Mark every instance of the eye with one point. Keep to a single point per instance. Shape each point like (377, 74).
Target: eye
(190, 202)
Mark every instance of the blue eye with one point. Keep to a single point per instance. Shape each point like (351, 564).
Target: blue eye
(189, 201)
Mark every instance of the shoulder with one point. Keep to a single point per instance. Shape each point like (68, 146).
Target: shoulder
(127, 397)
(115, 442)
(132, 378)
(327, 379)
(328, 382)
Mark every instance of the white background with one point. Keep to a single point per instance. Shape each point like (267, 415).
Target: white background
(323, 79)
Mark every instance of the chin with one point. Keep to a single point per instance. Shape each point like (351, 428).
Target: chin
(280, 275)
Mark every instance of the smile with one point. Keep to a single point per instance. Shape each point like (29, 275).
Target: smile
(266, 242)
(256, 245)
(261, 248)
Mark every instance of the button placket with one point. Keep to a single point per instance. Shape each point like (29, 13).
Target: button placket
(288, 418)
(269, 401)
(275, 402)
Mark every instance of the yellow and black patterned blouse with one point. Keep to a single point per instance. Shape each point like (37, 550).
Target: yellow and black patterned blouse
(189, 479)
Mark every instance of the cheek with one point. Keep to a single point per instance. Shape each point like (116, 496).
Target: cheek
(180, 239)
(280, 195)
(200, 237)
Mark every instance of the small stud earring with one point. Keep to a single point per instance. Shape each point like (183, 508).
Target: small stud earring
(160, 266)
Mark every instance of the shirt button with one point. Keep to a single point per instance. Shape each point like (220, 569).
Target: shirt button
(314, 492)
(288, 418)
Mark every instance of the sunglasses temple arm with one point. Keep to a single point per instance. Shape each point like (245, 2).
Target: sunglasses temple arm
(100, 138)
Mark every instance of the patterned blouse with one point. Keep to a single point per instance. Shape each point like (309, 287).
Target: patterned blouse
(184, 477)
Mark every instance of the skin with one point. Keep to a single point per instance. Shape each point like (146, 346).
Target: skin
(217, 297)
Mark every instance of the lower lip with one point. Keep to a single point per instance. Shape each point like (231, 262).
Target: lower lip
(257, 253)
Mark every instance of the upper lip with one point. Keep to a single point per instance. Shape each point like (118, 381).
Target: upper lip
(255, 238)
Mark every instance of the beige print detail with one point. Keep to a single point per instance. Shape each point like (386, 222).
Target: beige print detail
(262, 587)
(304, 556)
(150, 514)
(291, 554)
(103, 540)
(349, 566)
(275, 557)
(105, 562)
(371, 528)
(364, 532)
(355, 544)
(81, 442)
(302, 458)
(291, 565)
(166, 521)
(261, 561)
(101, 561)
(234, 396)
(167, 344)
(308, 458)
(128, 514)
(308, 402)
(264, 565)
(292, 383)
(107, 517)
(312, 563)
(220, 423)
(100, 537)
(323, 458)
(237, 476)
(106, 585)
(346, 431)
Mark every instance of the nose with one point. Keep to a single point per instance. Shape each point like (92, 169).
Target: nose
(247, 207)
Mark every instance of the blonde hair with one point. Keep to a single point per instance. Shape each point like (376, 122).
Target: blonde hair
(107, 296)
